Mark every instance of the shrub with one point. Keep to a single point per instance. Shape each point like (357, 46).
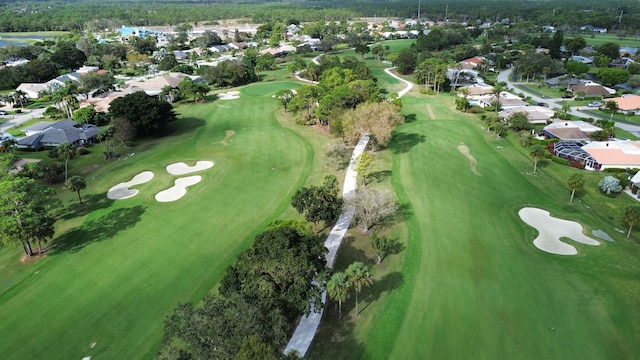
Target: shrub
(475, 110)
(83, 151)
(559, 160)
(610, 185)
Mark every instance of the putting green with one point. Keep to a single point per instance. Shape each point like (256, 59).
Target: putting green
(118, 271)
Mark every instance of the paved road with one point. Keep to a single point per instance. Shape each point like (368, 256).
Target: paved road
(505, 76)
(19, 119)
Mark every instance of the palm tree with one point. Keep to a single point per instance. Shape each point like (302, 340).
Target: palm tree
(631, 216)
(77, 183)
(537, 153)
(497, 89)
(65, 98)
(338, 289)
(358, 275)
(66, 151)
(612, 106)
(10, 144)
(566, 107)
(20, 96)
(576, 182)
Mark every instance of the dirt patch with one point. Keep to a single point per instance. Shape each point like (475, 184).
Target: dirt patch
(464, 150)
(227, 136)
(18, 165)
(33, 258)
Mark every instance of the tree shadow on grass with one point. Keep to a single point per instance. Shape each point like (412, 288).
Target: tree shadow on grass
(379, 176)
(184, 126)
(335, 338)
(403, 213)
(96, 230)
(403, 142)
(372, 293)
(90, 203)
(409, 118)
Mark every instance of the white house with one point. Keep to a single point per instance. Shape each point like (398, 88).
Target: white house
(33, 90)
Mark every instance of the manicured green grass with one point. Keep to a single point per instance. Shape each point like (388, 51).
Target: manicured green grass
(117, 268)
(599, 39)
(470, 283)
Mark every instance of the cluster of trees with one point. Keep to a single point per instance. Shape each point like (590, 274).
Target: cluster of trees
(279, 277)
(61, 15)
(27, 213)
(343, 84)
(147, 114)
(232, 72)
(340, 285)
(319, 203)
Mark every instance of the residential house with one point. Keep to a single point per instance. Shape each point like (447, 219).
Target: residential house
(180, 55)
(582, 59)
(471, 63)
(102, 102)
(535, 114)
(54, 134)
(33, 90)
(593, 29)
(506, 100)
(220, 48)
(621, 63)
(569, 130)
(279, 51)
(628, 51)
(614, 154)
(62, 80)
(238, 45)
(628, 104)
(154, 86)
(591, 89)
(563, 80)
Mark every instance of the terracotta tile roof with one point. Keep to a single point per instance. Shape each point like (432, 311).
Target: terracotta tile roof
(628, 102)
(614, 152)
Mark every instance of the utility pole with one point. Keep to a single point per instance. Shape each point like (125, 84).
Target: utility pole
(419, 3)
(620, 17)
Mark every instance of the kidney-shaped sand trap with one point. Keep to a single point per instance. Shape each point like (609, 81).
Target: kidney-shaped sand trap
(122, 191)
(178, 190)
(231, 95)
(551, 229)
(181, 168)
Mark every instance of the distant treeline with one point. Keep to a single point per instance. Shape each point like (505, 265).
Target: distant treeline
(33, 15)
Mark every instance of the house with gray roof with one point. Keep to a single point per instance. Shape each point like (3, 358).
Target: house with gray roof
(47, 134)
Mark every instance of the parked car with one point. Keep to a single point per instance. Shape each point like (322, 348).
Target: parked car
(543, 104)
(594, 104)
(567, 96)
(3, 113)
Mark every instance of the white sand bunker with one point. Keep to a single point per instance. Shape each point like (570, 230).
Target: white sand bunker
(230, 95)
(122, 191)
(181, 168)
(178, 190)
(551, 229)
